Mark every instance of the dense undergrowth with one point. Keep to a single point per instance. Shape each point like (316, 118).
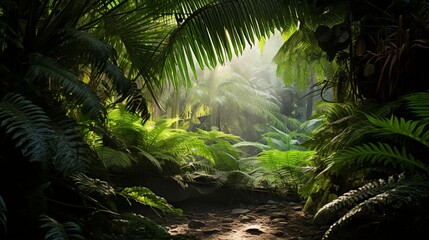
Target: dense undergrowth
(79, 151)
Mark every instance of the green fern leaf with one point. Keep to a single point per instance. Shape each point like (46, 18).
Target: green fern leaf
(419, 104)
(60, 231)
(89, 185)
(27, 124)
(403, 193)
(70, 151)
(378, 153)
(413, 129)
(114, 158)
(147, 197)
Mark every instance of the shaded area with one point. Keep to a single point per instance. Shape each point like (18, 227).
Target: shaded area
(227, 218)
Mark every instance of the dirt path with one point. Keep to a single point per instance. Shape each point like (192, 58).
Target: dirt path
(266, 221)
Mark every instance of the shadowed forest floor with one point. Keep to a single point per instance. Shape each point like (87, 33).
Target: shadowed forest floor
(270, 219)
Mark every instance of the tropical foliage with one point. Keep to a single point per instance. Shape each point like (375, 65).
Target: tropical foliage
(397, 153)
(76, 78)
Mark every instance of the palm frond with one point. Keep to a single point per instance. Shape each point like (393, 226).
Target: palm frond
(28, 126)
(137, 32)
(215, 32)
(43, 68)
(92, 49)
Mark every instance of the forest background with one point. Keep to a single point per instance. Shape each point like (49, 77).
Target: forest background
(101, 101)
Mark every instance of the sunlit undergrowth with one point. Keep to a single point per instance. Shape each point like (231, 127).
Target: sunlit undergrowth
(160, 149)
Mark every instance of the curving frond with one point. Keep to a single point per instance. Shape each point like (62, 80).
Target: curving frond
(213, 33)
(413, 129)
(56, 230)
(91, 49)
(419, 104)
(377, 197)
(147, 197)
(89, 186)
(113, 158)
(27, 125)
(380, 153)
(70, 151)
(46, 69)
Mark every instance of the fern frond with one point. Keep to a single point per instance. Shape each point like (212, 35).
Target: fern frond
(350, 199)
(78, 93)
(276, 159)
(378, 153)
(412, 129)
(147, 197)
(392, 196)
(115, 158)
(56, 230)
(71, 152)
(419, 104)
(239, 178)
(89, 186)
(152, 158)
(257, 145)
(28, 126)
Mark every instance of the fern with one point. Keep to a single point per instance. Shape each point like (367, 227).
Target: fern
(60, 231)
(114, 158)
(412, 129)
(70, 151)
(90, 186)
(375, 197)
(418, 103)
(147, 197)
(28, 126)
(378, 153)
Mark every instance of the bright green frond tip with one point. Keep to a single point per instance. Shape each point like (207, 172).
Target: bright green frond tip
(147, 197)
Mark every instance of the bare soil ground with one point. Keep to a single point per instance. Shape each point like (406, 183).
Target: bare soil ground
(271, 219)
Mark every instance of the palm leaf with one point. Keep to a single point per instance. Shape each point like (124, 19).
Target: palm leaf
(27, 124)
(214, 33)
(47, 69)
